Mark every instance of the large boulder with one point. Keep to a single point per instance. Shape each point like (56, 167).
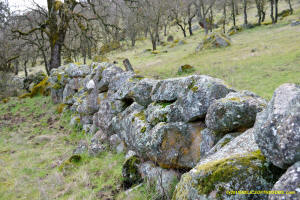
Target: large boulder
(289, 182)
(236, 111)
(169, 90)
(171, 145)
(277, 128)
(201, 92)
(192, 95)
(239, 165)
(178, 145)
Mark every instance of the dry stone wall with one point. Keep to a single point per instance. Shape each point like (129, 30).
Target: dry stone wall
(195, 124)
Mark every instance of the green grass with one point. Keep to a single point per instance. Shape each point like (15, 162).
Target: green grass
(30, 169)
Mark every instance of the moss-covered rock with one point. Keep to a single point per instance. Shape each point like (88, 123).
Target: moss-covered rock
(130, 172)
(42, 88)
(239, 165)
(214, 40)
(249, 172)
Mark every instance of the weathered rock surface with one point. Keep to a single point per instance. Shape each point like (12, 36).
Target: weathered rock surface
(239, 165)
(171, 145)
(277, 128)
(163, 180)
(200, 93)
(288, 182)
(236, 111)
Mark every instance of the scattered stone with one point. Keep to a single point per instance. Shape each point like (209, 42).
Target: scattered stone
(170, 38)
(295, 23)
(181, 42)
(277, 127)
(214, 40)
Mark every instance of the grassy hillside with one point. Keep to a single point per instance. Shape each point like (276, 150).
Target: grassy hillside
(36, 142)
(259, 59)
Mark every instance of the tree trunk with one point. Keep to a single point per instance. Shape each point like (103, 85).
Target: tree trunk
(190, 26)
(55, 56)
(263, 16)
(165, 29)
(211, 19)
(291, 7)
(46, 62)
(89, 51)
(245, 12)
(272, 11)
(276, 11)
(258, 6)
(132, 42)
(182, 28)
(154, 44)
(25, 68)
(224, 15)
(236, 5)
(16, 68)
(233, 12)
